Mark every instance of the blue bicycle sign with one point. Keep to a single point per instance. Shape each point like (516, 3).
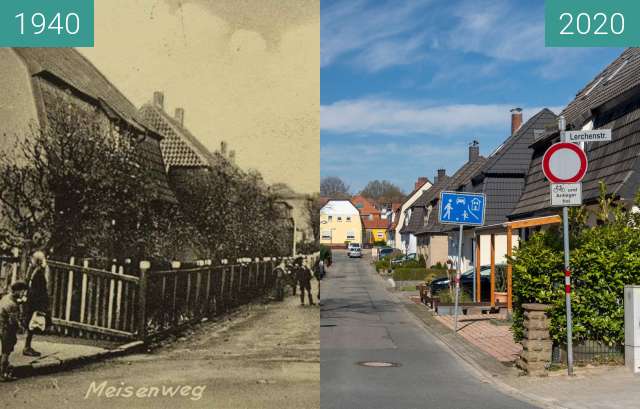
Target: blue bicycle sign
(462, 208)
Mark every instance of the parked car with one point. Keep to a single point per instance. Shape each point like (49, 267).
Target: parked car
(354, 250)
(384, 252)
(402, 259)
(466, 281)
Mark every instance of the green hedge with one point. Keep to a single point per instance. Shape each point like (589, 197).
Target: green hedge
(416, 273)
(603, 260)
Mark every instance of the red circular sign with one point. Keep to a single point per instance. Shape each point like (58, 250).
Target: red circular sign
(564, 162)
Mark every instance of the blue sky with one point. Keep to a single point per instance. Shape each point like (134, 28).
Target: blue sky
(407, 84)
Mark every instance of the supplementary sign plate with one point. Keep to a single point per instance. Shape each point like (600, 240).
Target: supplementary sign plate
(566, 194)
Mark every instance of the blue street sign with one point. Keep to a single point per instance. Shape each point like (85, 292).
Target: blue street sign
(462, 208)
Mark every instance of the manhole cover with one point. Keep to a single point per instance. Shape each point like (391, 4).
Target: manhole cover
(378, 364)
(327, 325)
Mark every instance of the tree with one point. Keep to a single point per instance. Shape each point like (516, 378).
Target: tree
(313, 213)
(334, 187)
(383, 191)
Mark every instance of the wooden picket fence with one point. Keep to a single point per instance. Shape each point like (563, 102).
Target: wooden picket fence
(99, 304)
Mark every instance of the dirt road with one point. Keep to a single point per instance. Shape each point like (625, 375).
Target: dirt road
(266, 356)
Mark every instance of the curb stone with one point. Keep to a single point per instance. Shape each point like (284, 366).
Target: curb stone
(41, 368)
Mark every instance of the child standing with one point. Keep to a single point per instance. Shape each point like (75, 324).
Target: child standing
(9, 323)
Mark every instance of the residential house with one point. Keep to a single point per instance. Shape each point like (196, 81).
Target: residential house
(34, 79)
(340, 224)
(433, 237)
(185, 157)
(610, 101)
(299, 208)
(501, 179)
(422, 185)
(374, 226)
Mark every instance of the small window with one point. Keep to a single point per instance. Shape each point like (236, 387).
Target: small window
(351, 235)
(330, 218)
(339, 219)
(348, 219)
(326, 235)
(370, 217)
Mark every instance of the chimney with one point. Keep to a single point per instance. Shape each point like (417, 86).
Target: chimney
(474, 151)
(158, 99)
(441, 174)
(421, 181)
(223, 148)
(516, 119)
(180, 116)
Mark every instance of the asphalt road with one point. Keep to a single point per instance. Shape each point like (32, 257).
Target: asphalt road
(265, 357)
(361, 321)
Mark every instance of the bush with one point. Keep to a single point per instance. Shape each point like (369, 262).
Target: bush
(450, 298)
(603, 260)
(380, 243)
(382, 265)
(415, 274)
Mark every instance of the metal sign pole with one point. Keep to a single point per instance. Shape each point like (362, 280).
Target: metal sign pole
(567, 289)
(458, 274)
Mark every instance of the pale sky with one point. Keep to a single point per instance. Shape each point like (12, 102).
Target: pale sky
(246, 71)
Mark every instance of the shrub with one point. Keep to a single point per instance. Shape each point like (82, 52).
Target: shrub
(603, 260)
(415, 274)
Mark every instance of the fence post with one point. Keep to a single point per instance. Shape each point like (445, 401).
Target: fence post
(67, 311)
(142, 305)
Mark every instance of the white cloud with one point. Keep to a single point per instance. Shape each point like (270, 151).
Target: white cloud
(508, 31)
(374, 33)
(392, 117)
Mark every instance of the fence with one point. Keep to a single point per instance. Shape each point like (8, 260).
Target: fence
(95, 303)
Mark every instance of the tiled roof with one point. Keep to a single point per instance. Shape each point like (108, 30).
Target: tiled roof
(502, 178)
(457, 182)
(514, 155)
(364, 206)
(620, 76)
(616, 163)
(180, 148)
(66, 68)
(68, 65)
(376, 223)
(416, 220)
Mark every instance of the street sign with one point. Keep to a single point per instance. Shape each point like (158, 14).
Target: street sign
(564, 162)
(594, 135)
(566, 194)
(462, 208)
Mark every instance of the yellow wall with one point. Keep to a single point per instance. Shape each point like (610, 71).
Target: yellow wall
(378, 235)
(339, 229)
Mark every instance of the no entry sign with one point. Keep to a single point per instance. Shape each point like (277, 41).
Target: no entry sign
(564, 163)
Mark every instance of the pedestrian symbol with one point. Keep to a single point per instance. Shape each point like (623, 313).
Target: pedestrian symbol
(462, 208)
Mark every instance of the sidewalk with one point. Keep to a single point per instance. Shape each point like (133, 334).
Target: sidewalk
(479, 341)
(59, 353)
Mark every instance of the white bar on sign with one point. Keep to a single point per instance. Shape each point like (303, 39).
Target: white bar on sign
(594, 135)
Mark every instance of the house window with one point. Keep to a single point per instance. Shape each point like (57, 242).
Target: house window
(326, 235)
(330, 218)
(339, 219)
(351, 235)
(380, 235)
(370, 217)
(348, 219)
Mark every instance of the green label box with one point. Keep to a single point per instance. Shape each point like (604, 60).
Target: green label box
(592, 23)
(46, 23)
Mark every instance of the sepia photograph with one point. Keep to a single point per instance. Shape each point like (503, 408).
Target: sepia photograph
(158, 196)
